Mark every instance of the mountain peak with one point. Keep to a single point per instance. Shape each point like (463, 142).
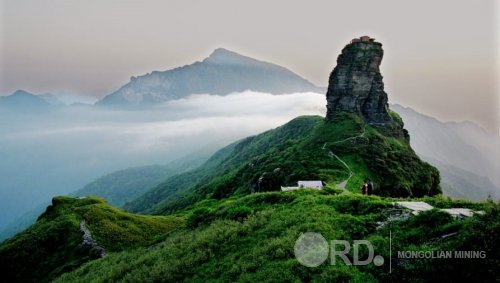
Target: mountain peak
(221, 73)
(356, 86)
(21, 92)
(222, 56)
(222, 50)
(21, 100)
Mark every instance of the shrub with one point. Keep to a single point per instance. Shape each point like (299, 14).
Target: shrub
(239, 213)
(198, 217)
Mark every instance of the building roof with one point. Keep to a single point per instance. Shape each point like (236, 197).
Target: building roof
(310, 184)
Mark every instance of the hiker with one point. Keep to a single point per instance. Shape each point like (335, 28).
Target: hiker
(370, 188)
(364, 189)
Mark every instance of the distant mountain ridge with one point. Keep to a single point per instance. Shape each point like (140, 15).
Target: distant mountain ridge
(125, 185)
(222, 73)
(459, 183)
(467, 155)
(23, 100)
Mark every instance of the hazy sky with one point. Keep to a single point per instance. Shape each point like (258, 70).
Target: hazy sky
(441, 57)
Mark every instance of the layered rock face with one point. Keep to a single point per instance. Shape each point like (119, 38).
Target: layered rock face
(356, 86)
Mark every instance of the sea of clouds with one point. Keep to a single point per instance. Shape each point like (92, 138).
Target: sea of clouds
(54, 153)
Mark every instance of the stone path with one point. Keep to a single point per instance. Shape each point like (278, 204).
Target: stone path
(343, 184)
(418, 206)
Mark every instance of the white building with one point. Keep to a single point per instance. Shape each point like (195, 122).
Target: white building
(311, 184)
(318, 185)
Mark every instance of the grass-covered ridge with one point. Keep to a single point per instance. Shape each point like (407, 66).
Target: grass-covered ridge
(53, 244)
(251, 239)
(306, 148)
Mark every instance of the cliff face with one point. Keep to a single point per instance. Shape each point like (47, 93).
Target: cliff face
(356, 86)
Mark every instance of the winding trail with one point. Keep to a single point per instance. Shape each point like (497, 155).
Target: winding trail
(343, 184)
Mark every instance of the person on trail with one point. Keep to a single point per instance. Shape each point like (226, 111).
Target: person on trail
(364, 189)
(370, 188)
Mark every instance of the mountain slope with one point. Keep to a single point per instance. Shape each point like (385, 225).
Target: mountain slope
(55, 243)
(23, 222)
(456, 148)
(459, 183)
(252, 238)
(126, 185)
(223, 72)
(299, 150)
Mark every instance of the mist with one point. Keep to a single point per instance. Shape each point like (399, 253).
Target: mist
(57, 152)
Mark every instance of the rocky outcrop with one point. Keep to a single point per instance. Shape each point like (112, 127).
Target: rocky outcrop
(89, 242)
(356, 86)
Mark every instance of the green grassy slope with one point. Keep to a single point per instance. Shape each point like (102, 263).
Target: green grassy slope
(251, 239)
(175, 186)
(125, 185)
(53, 244)
(302, 149)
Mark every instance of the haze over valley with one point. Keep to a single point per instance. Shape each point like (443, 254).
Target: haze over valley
(60, 151)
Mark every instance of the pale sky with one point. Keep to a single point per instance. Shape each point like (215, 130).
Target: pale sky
(441, 57)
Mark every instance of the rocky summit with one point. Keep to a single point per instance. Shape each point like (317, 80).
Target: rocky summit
(356, 86)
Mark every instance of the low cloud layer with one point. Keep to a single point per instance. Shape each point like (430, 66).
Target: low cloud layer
(59, 152)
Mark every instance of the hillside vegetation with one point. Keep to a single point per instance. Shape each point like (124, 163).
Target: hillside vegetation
(125, 185)
(251, 239)
(53, 245)
(303, 149)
